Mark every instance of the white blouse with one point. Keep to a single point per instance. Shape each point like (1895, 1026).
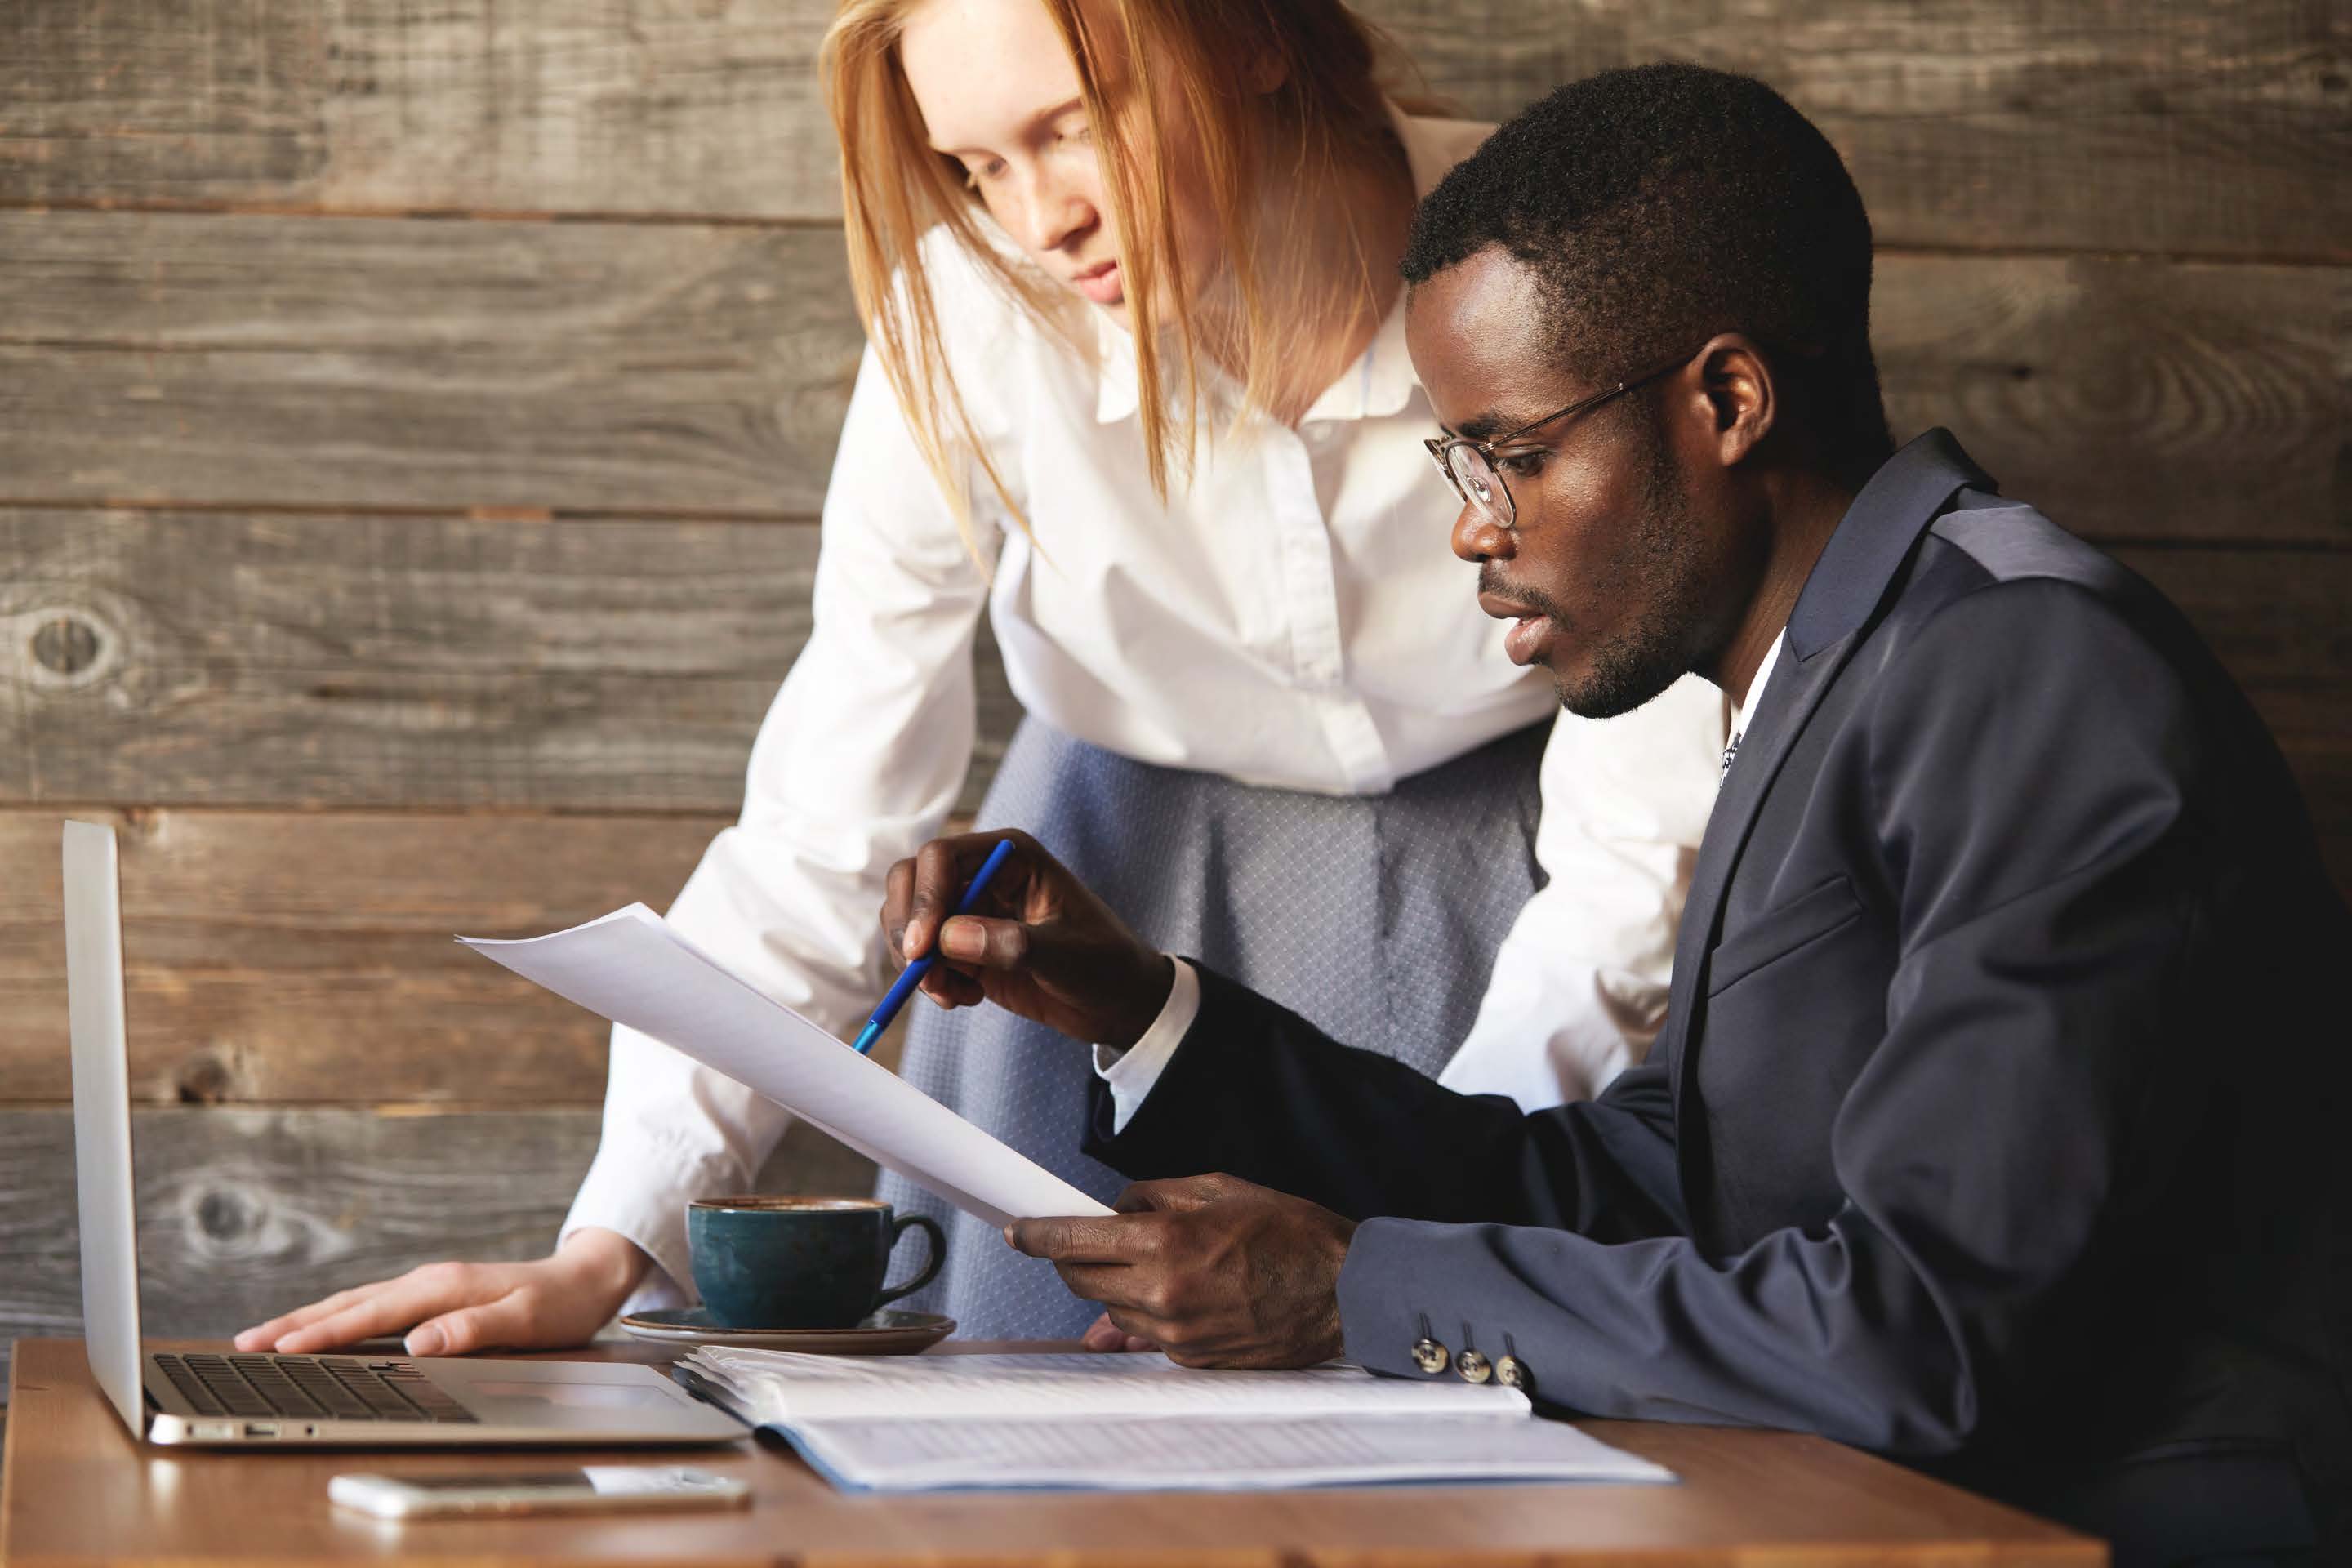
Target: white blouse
(1291, 617)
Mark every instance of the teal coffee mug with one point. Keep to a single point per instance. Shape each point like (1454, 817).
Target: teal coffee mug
(798, 1263)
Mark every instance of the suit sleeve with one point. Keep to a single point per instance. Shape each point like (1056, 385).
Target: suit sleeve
(2032, 773)
(1258, 1093)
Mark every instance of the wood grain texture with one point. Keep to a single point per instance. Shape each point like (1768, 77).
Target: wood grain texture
(307, 957)
(303, 958)
(2177, 127)
(80, 1493)
(245, 1213)
(2133, 399)
(170, 659)
(602, 367)
(638, 106)
(610, 368)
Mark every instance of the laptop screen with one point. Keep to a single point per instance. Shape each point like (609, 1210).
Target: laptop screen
(101, 1095)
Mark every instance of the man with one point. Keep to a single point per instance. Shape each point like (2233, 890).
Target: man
(1993, 1123)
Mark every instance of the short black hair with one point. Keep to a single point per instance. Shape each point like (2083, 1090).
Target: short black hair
(1660, 205)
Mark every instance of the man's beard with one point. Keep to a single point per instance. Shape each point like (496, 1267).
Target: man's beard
(1661, 574)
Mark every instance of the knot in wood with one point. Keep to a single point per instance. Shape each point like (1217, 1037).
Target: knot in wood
(229, 1214)
(67, 645)
(202, 1079)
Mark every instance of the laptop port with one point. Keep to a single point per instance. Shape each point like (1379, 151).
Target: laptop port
(261, 1429)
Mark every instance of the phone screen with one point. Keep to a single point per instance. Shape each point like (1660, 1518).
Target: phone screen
(534, 1481)
(600, 1480)
(530, 1491)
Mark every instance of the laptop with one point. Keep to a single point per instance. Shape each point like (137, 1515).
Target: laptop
(358, 1401)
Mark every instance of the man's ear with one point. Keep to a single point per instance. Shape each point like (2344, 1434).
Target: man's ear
(1742, 398)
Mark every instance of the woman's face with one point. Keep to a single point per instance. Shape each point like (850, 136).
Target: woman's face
(1000, 95)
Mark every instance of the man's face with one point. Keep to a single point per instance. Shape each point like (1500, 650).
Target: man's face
(1616, 570)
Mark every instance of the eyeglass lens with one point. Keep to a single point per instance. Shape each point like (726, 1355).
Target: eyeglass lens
(1479, 482)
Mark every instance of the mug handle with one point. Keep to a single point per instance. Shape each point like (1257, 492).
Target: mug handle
(931, 1228)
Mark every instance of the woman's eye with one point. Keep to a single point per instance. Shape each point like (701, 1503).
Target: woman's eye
(1522, 465)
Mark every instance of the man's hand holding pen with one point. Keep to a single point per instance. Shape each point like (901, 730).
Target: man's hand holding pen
(1214, 1270)
(1039, 942)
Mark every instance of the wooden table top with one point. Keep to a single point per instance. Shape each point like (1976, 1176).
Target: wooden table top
(77, 1488)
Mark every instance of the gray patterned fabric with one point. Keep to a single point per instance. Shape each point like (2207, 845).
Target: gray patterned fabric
(1376, 917)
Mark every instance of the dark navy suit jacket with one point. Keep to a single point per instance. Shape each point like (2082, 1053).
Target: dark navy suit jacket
(1996, 1120)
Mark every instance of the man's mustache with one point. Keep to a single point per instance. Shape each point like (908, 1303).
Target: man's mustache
(1491, 580)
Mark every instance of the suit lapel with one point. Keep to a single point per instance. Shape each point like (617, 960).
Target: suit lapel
(1844, 588)
(1789, 701)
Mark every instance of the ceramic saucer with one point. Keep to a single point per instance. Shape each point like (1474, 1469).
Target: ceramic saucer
(887, 1333)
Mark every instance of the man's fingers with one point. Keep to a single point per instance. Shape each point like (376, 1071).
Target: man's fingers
(949, 989)
(1083, 1239)
(1174, 1195)
(977, 942)
(898, 904)
(933, 893)
(1102, 1334)
(940, 871)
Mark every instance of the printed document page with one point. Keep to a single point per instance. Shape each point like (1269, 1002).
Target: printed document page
(1192, 1453)
(782, 1388)
(1140, 1422)
(630, 967)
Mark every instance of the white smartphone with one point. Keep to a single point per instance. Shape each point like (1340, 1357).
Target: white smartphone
(587, 1489)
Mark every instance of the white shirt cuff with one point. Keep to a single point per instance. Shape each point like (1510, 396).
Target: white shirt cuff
(1131, 1072)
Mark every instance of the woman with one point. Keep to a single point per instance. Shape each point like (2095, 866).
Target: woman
(1135, 382)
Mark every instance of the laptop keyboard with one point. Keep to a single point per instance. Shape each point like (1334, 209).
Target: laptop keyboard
(335, 1388)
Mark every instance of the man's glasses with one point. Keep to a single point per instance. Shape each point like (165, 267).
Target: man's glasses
(1471, 464)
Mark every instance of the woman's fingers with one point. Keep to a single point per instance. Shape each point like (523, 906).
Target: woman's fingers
(391, 1308)
(263, 1336)
(512, 1321)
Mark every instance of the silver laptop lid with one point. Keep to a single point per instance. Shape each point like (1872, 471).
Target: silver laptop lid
(102, 1095)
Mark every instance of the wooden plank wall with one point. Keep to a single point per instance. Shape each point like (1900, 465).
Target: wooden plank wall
(412, 418)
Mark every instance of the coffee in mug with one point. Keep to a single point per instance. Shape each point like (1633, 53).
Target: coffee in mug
(798, 1263)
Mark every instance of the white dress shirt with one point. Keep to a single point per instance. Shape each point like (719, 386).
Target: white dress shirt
(1130, 1073)
(1291, 617)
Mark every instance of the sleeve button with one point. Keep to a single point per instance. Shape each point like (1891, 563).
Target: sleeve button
(1512, 1373)
(1429, 1355)
(1473, 1367)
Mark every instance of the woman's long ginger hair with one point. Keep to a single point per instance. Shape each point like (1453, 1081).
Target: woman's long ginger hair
(1256, 153)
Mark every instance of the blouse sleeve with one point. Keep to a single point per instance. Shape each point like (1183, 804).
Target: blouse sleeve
(857, 763)
(1578, 987)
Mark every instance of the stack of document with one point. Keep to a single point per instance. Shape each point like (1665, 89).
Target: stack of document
(1138, 1422)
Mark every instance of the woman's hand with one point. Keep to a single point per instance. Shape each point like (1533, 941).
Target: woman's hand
(449, 1309)
(1040, 943)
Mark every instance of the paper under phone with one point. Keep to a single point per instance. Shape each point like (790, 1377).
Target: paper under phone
(632, 968)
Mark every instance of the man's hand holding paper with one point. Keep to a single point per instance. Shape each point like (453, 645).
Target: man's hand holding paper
(1212, 1270)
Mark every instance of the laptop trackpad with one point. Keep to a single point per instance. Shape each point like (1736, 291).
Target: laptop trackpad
(632, 1395)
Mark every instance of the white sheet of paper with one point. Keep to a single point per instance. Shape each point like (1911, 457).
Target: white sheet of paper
(630, 967)
(1182, 1454)
(789, 1388)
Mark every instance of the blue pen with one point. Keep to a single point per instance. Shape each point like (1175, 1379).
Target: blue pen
(912, 975)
